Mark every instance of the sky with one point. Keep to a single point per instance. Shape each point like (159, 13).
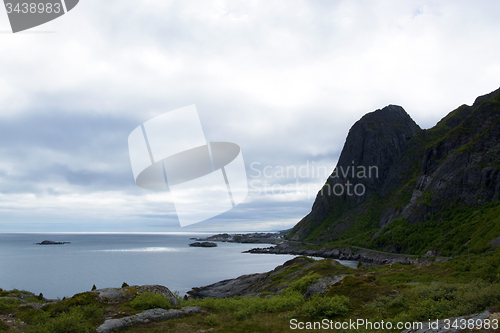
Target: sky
(285, 80)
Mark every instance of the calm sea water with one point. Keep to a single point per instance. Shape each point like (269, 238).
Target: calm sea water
(108, 260)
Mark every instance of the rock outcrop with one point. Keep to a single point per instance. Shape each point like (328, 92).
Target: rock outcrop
(255, 284)
(118, 295)
(144, 317)
(362, 255)
(373, 145)
(203, 244)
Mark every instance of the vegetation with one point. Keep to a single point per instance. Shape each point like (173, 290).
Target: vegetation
(452, 232)
(80, 313)
(455, 230)
(324, 307)
(244, 307)
(150, 300)
(397, 292)
(437, 301)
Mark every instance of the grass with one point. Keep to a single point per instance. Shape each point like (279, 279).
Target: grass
(244, 307)
(301, 284)
(398, 292)
(7, 304)
(79, 319)
(454, 231)
(443, 300)
(324, 307)
(78, 314)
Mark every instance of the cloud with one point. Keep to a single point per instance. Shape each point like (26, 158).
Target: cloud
(285, 80)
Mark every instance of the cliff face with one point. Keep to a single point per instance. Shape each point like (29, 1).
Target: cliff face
(373, 145)
(463, 166)
(420, 172)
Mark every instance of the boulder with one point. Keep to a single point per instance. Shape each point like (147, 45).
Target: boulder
(117, 295)
(144, 317)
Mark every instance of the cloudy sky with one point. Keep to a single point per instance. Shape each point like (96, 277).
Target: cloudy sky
(284, 80)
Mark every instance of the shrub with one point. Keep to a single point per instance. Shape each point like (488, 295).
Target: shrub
(9, 303)
(282, 302)
(32, 317)
(325, 307)
(212, 320)
(3, 327)
(438, 301)
(179, 298)
(150, 300)
(301, 284)
(72, 322)
(247, 306)
(82, 299)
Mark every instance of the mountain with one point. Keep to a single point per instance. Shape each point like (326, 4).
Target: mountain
(402, 189)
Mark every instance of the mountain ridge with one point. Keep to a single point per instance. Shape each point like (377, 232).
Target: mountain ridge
(423, 175)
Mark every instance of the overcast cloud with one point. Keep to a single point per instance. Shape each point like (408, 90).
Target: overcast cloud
(285, 80)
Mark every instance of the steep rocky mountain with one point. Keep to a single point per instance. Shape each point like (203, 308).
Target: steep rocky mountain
(395, 181)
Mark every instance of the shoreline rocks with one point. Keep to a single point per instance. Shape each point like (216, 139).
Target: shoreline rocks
(254, 238)
(363, 255)
(203, 244)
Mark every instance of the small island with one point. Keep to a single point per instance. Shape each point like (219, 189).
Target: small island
(254, 237)
(203, 244)
(48, 242)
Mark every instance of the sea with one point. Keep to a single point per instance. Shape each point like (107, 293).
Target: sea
(109, 259)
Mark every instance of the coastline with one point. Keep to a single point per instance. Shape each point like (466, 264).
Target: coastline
(282, 246)
(363, 255)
